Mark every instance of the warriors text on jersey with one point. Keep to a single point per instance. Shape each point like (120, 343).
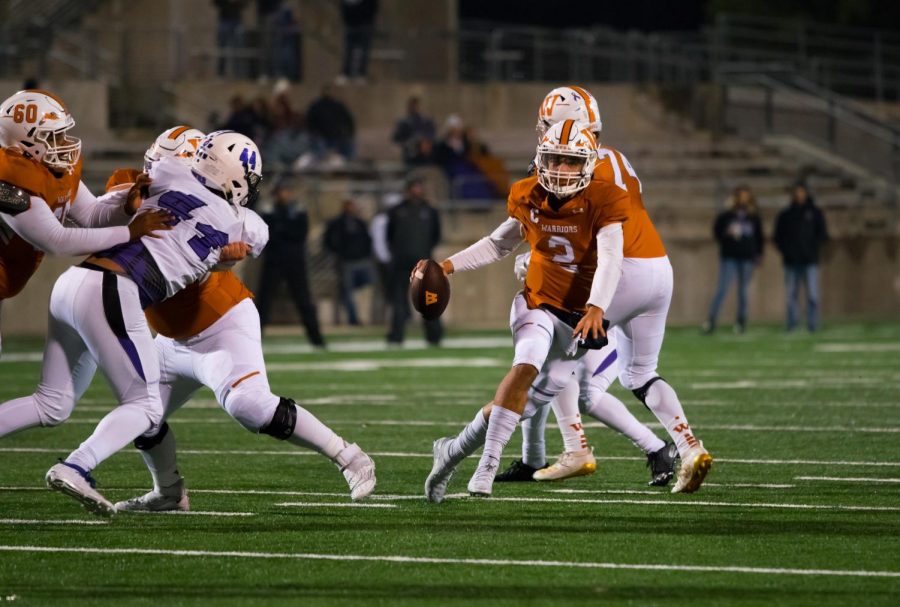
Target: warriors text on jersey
(564, 252)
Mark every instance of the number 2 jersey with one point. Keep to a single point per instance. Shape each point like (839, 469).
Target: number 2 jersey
(563, 239)
(203, 223)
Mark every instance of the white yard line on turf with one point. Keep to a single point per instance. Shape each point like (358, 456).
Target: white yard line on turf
(333, 505)
(419, 560)
(298, 453)
(192, 513)
(75, 521)
(847, 479)
(856, 347)
(700, 503)
(375, 364)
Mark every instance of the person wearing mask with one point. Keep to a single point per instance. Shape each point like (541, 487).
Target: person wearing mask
(285, 259)
(413, 231)
(800, 232)
(347, 236)
(738, 231)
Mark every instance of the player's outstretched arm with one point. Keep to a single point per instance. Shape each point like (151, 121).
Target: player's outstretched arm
(494, 247)
(40, 227)
(115, 208)
(610, 247)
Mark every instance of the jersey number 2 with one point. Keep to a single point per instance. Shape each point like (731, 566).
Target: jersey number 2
(565, 258)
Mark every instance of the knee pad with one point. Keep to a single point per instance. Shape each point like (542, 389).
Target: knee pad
(54, 407)
(641, 393)
(145, 443)
(284, 420)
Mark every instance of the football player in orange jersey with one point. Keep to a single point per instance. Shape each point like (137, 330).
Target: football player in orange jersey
(638, 313)
(574, 228)
(40, 187)
(209, 334)
(587, 390)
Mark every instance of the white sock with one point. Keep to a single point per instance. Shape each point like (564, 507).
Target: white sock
(471, 437)
(18, 414)
(662, 400)
(500, 429)
(161, 461)
(534, 451)
(115, 431)
(565, 408)
(313, 434)
(611, 411)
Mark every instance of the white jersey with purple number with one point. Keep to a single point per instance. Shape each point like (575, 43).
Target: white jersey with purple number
(204, 223)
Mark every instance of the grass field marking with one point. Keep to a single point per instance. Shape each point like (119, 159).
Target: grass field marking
(50, 521)
(193, 513)
(605, 491)
(419, 560)
(847, 479)
(333, 505)
(303, 453)
(365, 364)
(856, 347)
(675, 502)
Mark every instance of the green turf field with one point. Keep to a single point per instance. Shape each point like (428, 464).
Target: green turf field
(802, 506)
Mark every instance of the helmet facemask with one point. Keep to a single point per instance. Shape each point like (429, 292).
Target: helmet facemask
(61, 152)
(564, 174)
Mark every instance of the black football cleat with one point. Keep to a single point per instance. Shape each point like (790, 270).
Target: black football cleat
(517, 472)
(662, 465)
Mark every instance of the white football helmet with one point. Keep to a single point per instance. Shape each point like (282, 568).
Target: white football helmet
(566, 157)
(231, 164)
(180, 142)
(37, 123)
(569, 103)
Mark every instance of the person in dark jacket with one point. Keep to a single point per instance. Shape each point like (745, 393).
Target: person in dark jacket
(800, 232)
(415, 134)
(738, 231)
(331, 125)
(284, 258)
(359, 29)
(413, 230)
(347, 236)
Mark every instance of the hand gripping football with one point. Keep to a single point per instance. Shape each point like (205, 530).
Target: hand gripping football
(429, 290)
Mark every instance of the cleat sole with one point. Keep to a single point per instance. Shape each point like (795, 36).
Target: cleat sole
(90, 504)
(585, 470)
(702, 465)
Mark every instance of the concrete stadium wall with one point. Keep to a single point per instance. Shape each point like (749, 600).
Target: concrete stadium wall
(860, 277)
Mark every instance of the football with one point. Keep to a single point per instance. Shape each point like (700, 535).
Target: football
(429, 290)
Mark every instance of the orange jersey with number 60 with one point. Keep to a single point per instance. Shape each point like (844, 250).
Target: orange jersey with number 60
(641, 237)
(199, 305)
(18, 259)
(563, 240)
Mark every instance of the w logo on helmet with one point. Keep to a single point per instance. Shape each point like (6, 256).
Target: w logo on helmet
(248, 159)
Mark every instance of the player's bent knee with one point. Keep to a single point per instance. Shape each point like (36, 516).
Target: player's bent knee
(283, 422)
(54, 407)
(641, 392)
(251, 407)
(145, 443)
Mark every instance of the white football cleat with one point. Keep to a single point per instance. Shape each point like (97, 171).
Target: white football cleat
(78, 485)
(441, 471)
(482, 482)
(694, 467)
(359, 470)
(170, 499)
(569, 465)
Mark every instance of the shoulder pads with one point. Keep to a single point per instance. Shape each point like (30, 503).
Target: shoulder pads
(13, 199)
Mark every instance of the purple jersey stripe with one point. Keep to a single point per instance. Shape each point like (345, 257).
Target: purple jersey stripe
(606, 363)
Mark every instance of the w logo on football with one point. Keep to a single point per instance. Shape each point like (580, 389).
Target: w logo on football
(430, 298)
(248, 159)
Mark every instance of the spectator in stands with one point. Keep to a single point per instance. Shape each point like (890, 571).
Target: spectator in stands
(347, 236)
(246, 118)
(284, 259)
(413, 231)
(414, 133)
(381, 254)
(279, 40)
(230, 36)
(359, 29)
(453, 153)
(738, 231)
(289, 139)
(800, 232)
(332, 128)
